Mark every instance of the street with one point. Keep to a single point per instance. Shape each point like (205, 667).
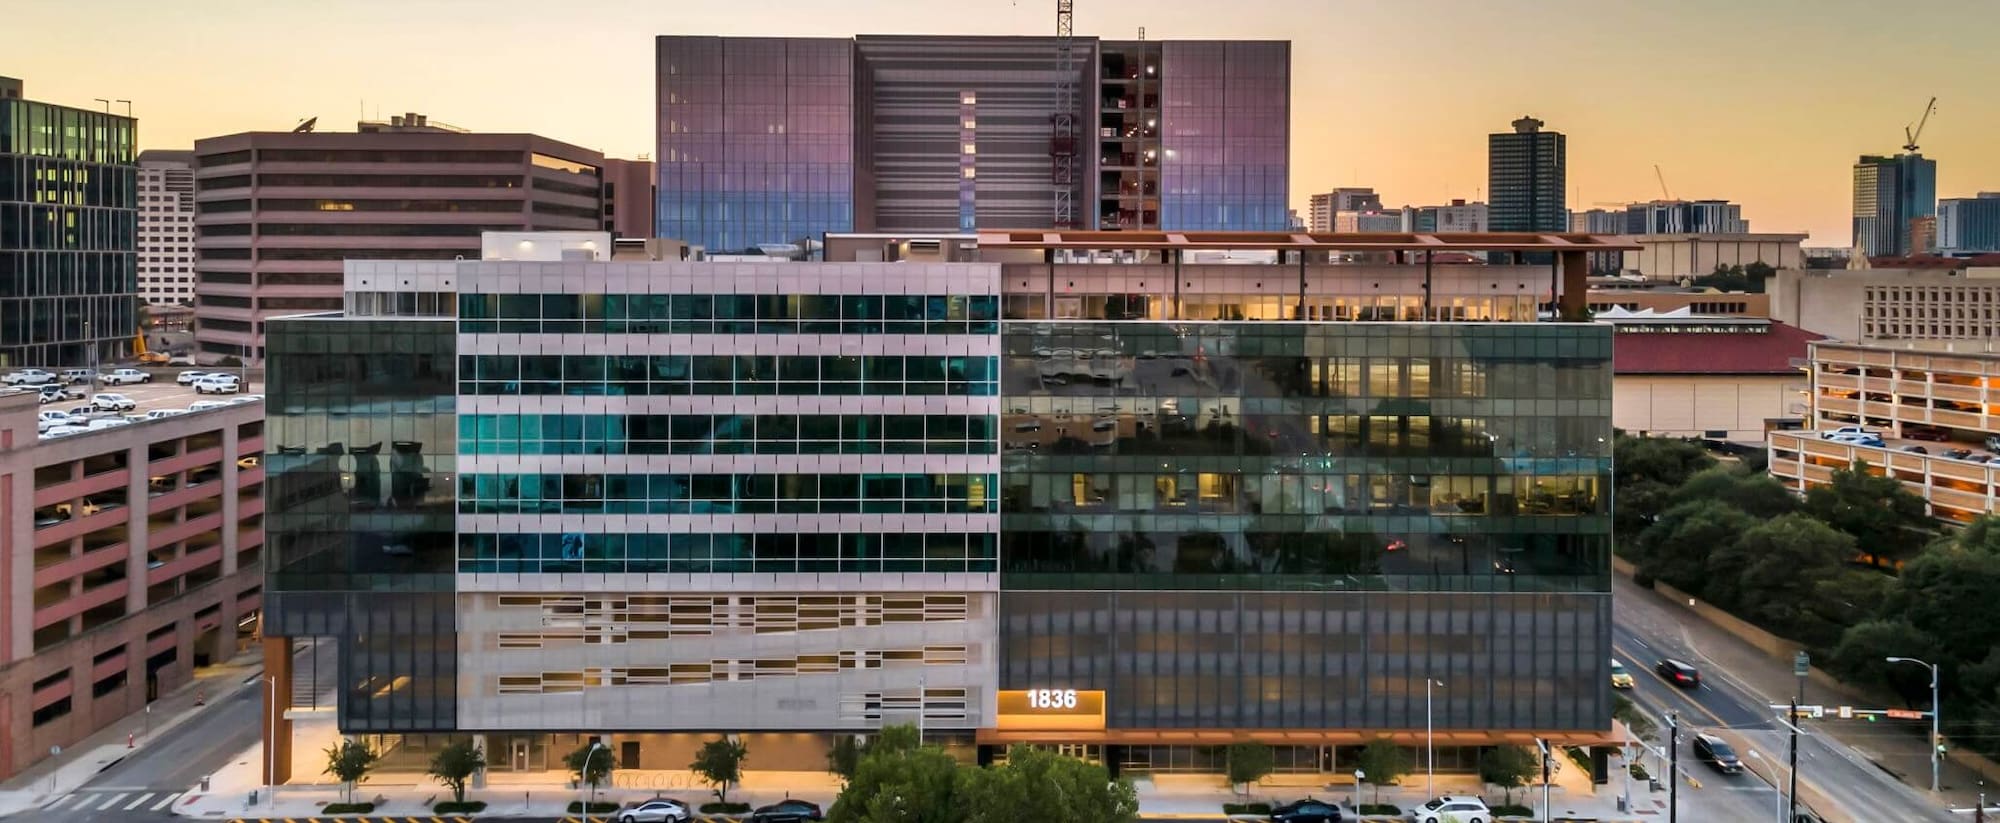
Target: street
(1835, 782)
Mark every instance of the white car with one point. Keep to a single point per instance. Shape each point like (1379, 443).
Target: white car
(217, 385)
(247, 398)
(125, 377)
(1450, 809)
(74, 376)
(103, 423)
(51, 419)
(112, 403)
(656, 810)
(181, 360)
(28, 377)
(64, 431)
(156, 414)
(205, 405)
(187, 378)
(1848, 431)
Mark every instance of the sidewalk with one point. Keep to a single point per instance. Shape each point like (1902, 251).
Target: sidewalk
(78, 763)
(1898, 749)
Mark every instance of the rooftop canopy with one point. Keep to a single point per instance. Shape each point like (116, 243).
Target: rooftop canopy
(1343, 241)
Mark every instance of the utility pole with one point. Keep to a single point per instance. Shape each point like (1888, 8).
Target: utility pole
(1793, 722)
(1673, 767)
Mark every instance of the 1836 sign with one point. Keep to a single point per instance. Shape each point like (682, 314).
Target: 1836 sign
(1051, 709)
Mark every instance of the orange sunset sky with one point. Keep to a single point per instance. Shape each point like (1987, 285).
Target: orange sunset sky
(1764, 102)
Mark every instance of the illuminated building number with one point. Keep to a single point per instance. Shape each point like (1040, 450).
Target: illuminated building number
(1052, 698)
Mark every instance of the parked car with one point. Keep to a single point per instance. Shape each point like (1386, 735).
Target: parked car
(786, 811)
(55, 392)
(1620, 678)
(50, 419)
(112, 403)
(1828, 435)
(247, 398)
(1922, 433)
(217, 385)
(181, 360)
(124, 377)
(656, 810)
(64, 431)
(1450, 809)
(1716, 752)
(28, 377)
(1678, 673)
(1306, 811)
(90, 507)
(205, 405)
(157, 414)
(248, 462)
(1956, 454)
(1916, 450)
(188, 377)
(103, 423)
(1993, 442)
(72, 377)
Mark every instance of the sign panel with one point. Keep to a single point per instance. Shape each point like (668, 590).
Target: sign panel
(1903, 714)
(1050, 710)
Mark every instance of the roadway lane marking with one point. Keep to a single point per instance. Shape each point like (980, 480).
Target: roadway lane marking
(51, 805)
(1679, 691)
(165, 802)
(141, 799)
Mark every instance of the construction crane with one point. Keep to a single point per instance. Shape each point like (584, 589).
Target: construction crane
(1062, 131)
(1662, 177)
(1909, 136)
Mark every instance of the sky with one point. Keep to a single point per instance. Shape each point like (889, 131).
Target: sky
(1763, 102)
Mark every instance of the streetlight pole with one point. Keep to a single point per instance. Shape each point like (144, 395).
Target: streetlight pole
(271, 741)
(1936, 741)
(1777, 792)
(1430, 751)
(590, 798)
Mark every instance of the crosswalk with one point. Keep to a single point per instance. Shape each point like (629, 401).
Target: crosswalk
(105, 800)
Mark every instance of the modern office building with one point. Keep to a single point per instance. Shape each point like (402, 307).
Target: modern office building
(68, 233)
(1891, 196)
(1969, 225)
(1323, 206)
(1685, 217)
(1683, 256)
(547, 496)
(279, 211)
(631, 193)
(781, 140)
(1938, 394)
(1882, 305)
(166, 226)
(1374, 221)
(131, 556)
(1527, 178)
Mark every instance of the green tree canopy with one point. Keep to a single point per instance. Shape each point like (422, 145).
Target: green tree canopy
(1888, 523)
(1861, 657)
(894, 784)
(588, 769)
(455, 764)
(1509, 767)
(1756, 495)
(720, 764)
(1676, 548)
(1046, 787)
(1769, 574)
(1383, 763)
(1944, 593)
(1249, 762)
(350, 761)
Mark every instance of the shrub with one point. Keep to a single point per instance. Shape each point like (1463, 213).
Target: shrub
(468, 807)
(1380, 808)
(347, 808)
(725, 808)
(1246, 808)
(595, 808)
(1513, 811)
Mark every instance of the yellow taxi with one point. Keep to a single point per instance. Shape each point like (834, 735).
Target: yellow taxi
(1620, 678)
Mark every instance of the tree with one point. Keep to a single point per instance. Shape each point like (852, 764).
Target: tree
(1509, 767)
(1862, 657)
(350, 761)
(1249, 762)
(844, 757)
(589, 769)
(1769, 573)
(894, 784)
(1046, 787)
(1757, 495)
(1627, 712)
(1662, 460)
(455, 764)
(1383, 762)
(1677, 546)
(720, 764)
(1945, 592)
(1889, 524)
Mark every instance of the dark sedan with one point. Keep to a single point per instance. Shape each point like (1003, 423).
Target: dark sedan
(786, 811)
(1678, 673)
(1306, 811)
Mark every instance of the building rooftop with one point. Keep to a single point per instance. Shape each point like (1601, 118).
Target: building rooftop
(1703, 345)
(1290, 241)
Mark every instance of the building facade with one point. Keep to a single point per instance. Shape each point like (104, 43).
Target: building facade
(1969, 225)
(1685, 217)
(277, 212)
(131, 557)
(1527, 178)
(1891, 304)
(1936, 394)
(1685, 256)
(68, 234)
(1891, 196)
(1323, 206)
(790, 496)
(767, 141)
(166, 226)
(1725, 378)
(631, 193)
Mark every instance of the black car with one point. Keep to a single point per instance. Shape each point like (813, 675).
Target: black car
(786, 811)
(1678, 673)
(1956, 454)
(1712, 750)
(1306, 811)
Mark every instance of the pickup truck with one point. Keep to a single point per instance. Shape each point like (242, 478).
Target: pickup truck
(1845, 431)
(125, 377)
(28, 377)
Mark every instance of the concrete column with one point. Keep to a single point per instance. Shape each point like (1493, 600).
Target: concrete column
(1575, 273)
(229, 486)
(138, 536)
(277, 767)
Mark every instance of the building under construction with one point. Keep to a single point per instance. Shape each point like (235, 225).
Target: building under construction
(780, 140)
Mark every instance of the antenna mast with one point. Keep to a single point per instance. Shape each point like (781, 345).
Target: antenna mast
(1062, 133)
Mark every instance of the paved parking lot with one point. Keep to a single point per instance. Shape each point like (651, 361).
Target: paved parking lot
(162, 393)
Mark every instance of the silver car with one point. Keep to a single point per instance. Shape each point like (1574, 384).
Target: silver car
(656, 810)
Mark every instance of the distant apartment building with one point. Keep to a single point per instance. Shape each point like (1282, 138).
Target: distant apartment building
(631, 195)
(68, 233)
(277, 212)
(1969, 225)
(1682, 374)
(1325, 205)
(1939, 395)
(1600, 221)
(1891, 304)
(1457, 216)
(782, 140)
(166, 226)
(1374, 220)
(131, 557)
(1682, 256)
(1685, 217)
(1527, 178)
(1891, 196)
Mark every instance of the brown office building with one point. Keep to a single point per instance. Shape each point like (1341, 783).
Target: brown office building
(278, 212)
(631, 193)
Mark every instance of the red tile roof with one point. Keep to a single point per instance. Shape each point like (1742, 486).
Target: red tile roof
(1710, 352)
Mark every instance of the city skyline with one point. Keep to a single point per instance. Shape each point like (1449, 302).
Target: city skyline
(1362, 74)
